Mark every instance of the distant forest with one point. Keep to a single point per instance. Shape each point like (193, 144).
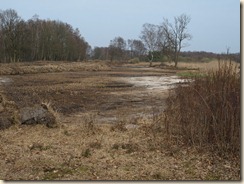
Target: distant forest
(36, 39)
(206, 56)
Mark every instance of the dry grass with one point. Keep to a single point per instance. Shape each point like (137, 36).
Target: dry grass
(73, 152)
(207, 112)
(50, 67)
(206, 66)
(81, 149)
(53, 114)
(195, 67)
(8, 112)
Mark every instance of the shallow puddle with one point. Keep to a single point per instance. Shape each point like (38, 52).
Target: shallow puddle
(4, 80)
(156, 82)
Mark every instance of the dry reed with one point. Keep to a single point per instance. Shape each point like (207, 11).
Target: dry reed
(207, 112)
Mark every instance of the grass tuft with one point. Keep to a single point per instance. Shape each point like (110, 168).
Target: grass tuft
(48, 106)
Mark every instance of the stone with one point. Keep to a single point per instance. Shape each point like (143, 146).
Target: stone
(37, 115)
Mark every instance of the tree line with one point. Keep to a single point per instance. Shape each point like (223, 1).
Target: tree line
(157, 42)
(162, 42)
(120, 49)
(37, 39)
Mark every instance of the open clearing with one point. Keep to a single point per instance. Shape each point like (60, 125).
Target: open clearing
(125, 91)
(105, 128)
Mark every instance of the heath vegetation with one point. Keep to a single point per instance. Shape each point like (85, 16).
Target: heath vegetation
(138, 109)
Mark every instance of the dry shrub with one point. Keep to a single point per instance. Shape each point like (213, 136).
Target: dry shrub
(89, 124)
(134, 60)
(207, 112)
(54, 113)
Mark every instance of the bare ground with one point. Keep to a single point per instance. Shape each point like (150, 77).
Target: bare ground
(106, 130)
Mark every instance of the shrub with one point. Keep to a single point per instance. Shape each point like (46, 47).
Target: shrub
(207, 112)
(134, 60)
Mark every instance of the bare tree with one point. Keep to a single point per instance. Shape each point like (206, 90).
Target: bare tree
(137, 48)
(228, 55)
(177, 33)
(117, 48)
(149, 37)
(9, 21)
(100, 53)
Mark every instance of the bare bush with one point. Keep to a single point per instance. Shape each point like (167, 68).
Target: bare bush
(207, 112)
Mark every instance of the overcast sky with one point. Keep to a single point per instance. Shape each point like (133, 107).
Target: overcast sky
(215, 24)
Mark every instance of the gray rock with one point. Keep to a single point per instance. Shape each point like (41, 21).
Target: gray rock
(37, 115)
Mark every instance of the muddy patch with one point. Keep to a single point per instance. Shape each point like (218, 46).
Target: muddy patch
(4, 80)
(121, 94)
(118, 85)
(156, 82)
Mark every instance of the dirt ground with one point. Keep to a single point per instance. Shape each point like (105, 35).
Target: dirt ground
(105, 131)
(104, 93)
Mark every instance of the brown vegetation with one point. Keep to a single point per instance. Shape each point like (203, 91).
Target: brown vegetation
(50, 67)
(77, 151)
(133, 144)
(207, 112)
